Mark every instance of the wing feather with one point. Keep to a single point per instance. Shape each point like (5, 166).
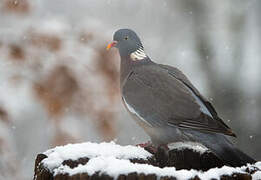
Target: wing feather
(164, 100)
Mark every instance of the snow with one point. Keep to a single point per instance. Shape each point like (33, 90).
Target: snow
(188, 145)
(257, 175)
(91, 150)
(113, 160)
(114, 167)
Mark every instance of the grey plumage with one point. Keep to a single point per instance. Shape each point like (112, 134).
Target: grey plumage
(165, 103)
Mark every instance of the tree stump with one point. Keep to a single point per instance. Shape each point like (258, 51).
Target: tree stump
(108, 161)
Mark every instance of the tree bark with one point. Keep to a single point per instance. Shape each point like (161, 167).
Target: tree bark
(180, 159)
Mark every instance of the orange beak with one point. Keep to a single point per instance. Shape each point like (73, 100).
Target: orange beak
(113, 44)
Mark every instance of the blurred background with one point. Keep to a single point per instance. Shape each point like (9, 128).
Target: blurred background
(59, 85)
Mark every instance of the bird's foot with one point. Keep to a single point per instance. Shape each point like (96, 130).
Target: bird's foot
(161, 152)
(143, 145)
(152, 148)
(148, 146)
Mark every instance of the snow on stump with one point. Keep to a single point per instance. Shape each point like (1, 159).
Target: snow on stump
(108, 161)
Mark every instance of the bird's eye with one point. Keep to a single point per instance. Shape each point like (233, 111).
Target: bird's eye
(126, 37)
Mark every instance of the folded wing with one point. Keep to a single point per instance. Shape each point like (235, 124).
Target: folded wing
(165, 97)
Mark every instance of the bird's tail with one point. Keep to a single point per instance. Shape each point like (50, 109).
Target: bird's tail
(224, 149)
(233, 156)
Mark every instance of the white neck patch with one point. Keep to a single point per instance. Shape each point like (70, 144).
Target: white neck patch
(137, 55)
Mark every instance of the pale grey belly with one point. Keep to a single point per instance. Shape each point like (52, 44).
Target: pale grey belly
(168, 134)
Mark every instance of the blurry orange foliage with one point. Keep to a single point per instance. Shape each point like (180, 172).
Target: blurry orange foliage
(57, 90)
(49, 41)
(16, 6)
(16, 52)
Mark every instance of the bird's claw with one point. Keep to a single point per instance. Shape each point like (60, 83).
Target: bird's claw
(148, 146)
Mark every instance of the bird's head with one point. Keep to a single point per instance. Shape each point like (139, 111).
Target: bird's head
(127, 42)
